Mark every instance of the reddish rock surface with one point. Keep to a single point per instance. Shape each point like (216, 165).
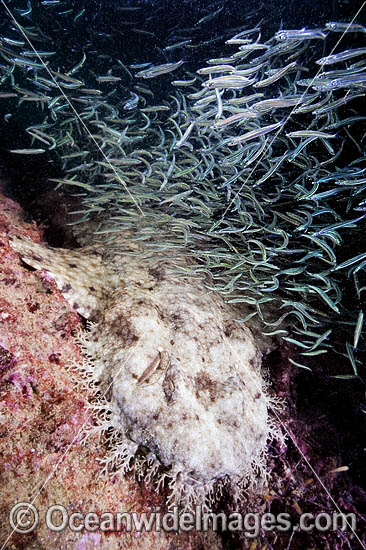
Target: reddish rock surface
(43, 412)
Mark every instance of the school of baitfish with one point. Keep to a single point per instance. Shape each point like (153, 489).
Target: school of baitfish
(252, 166)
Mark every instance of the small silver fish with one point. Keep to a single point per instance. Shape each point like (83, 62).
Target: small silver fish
(157, 70)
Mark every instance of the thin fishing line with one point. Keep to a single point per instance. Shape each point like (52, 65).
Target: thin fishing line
(64, 455)
(72, 107)
(291, 112)
(316, 475)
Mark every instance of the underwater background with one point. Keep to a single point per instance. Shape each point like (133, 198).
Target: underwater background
(277, 223)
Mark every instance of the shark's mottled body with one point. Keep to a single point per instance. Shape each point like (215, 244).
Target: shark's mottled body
(179, 375)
